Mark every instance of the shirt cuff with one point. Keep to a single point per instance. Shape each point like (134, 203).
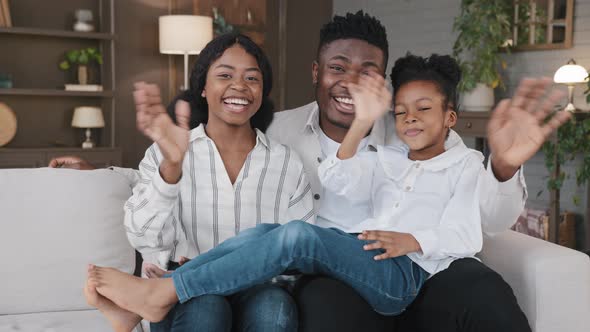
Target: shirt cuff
(516, 184)
(336, 174)
(428, 243)
(168, 192)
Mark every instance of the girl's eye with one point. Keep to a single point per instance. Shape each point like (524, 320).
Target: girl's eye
(252, 78)
(224, 75)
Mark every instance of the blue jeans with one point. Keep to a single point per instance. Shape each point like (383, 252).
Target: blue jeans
(264, 308)
(258, 254)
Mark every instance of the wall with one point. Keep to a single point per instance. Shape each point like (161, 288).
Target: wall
(138, 59)
(424, 27)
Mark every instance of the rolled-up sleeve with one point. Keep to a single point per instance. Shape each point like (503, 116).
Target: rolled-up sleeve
(152, 211)
(349, 177)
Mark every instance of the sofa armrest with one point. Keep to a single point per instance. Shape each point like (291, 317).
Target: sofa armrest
(551, 282)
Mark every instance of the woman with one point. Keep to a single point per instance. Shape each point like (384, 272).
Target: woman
(203, 185)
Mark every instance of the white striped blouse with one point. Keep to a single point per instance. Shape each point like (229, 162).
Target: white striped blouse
(204, 208)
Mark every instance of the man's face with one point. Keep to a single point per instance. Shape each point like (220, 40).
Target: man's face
(341, 61)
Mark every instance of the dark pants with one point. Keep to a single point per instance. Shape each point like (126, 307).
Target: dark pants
(468, 296)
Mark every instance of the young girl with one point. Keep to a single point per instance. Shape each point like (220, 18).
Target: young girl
(202, 186)
(426, 195)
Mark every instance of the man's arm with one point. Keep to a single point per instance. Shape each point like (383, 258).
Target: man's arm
(517, 129)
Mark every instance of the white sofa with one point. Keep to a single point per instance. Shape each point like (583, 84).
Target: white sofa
(56, 221)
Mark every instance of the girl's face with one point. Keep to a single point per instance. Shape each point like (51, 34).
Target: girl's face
(420, 120)
(233, 88)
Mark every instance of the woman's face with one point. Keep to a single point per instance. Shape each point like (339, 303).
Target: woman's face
(420, 119)
(233, 88)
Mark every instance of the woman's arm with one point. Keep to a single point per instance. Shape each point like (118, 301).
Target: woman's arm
(152, 212)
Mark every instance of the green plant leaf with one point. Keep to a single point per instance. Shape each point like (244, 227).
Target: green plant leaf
(64, 65)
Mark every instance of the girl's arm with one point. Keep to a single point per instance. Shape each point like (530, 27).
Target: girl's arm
(371, 100)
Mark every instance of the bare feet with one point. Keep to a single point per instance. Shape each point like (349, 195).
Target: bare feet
(121, 320)
(149, 298)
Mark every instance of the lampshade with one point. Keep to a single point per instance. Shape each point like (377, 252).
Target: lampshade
(180, 34)
(571, 74)
(87, 117)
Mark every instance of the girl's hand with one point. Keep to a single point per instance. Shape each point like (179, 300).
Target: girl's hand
(371, 97)
(394, 243)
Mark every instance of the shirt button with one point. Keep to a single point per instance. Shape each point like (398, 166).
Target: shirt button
(319, 160)
(408, 188)
(396, 205)
(316, 197)
(417, 165)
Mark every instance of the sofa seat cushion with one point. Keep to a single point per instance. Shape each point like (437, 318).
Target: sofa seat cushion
(67, 321)
(53, 223)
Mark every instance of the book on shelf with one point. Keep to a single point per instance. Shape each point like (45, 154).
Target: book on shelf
(5, 20)
(83, 87)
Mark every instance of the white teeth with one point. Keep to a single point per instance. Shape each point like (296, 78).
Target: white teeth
(344, 100)
(237, 101)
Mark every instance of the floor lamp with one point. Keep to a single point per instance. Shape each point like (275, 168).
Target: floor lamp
(184, 34)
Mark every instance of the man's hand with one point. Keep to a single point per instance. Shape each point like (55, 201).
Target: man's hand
(371, 97)
(154, 122)
(72, 162)
(393, 243)
(517, 128)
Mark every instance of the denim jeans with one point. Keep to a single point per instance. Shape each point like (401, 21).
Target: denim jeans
(258, 254)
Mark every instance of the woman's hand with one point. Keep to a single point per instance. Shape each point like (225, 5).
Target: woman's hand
(154, 122)
(394, 244)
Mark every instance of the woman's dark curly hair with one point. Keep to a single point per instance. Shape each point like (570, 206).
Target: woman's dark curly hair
(213, 51)
(442, 70)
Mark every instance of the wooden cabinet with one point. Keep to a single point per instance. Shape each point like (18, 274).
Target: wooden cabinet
(472, 123)
(31, 51)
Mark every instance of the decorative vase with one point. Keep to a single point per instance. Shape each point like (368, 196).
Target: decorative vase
(480, 99)
(83, 74)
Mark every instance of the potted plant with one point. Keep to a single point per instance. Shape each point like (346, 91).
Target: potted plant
(82, 58)
(483, 27)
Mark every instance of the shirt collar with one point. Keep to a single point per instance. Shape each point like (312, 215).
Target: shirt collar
(199, 133)
(397, 168)
(376, 136)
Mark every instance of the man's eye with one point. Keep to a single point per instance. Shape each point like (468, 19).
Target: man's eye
(399, 113)
(337, 68)
(424, 108)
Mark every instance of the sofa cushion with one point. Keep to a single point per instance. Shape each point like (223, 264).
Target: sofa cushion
(68, 321)
(53, 223)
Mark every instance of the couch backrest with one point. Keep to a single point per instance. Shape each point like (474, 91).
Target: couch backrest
(53, 222)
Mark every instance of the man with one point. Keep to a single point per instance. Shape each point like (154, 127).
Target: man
(467, 296)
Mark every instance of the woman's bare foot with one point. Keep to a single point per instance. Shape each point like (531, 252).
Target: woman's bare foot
(149, 298)
(121, 320)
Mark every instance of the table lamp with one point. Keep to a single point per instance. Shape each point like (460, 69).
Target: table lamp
(570, 75)
(87, 117)
(184, 34)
